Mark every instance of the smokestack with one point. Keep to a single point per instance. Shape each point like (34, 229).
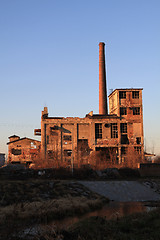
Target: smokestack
(103, 109)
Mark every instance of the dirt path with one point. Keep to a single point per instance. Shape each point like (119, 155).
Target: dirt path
(123, 191)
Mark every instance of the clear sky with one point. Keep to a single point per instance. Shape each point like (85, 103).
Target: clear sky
(49, 57)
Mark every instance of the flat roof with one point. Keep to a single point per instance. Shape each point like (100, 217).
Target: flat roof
(124, 89)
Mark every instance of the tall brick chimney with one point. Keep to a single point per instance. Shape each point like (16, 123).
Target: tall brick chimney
(103, 108)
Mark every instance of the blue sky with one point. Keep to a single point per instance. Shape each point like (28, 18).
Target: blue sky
(49, 57)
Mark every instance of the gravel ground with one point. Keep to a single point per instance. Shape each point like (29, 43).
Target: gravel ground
(123, 191)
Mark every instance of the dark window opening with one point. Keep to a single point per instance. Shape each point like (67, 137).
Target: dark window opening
(124, 139)
(55, 128)
(67, 153)
(123, 127)
(136, 111)
(114, 130)
(67, 138)
(123, 111)
(135, 94)
(98, 130)
(137, 149)
(107, 125)
(138, 140)
(50, 153)
(123, 150)
(122, 94)
(16, 151)
(47, 139)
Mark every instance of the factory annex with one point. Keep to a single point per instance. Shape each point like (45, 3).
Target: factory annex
(113, 133)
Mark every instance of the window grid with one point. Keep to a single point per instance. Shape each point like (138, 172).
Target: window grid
(137, 149)
(136, 111)
(98, 130)
(123, 127)
(123, 111)
(123, 150)
(122, 94)
(135, 95)
(114, 130)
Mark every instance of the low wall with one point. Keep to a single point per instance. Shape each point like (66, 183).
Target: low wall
(149, 169)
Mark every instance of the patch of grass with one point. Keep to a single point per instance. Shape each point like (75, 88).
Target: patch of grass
(12, 192)
(26, 203)
(137, 226)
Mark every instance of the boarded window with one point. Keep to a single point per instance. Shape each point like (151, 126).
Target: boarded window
(98, 130)
(83, 131)
(114, 130)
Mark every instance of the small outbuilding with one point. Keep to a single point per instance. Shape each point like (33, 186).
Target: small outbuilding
(22, 150)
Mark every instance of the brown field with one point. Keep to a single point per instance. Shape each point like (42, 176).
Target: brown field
(26, 203)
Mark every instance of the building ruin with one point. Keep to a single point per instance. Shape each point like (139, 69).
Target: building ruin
(22, 150)
(111, 132)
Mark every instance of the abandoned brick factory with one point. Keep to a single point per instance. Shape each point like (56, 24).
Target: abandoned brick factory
(110, 132)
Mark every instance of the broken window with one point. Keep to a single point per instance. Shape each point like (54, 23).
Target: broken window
(137, 149)
(55, 127)
(67, 153)
(123, 150)
(107, 125)
(16, 151)
(136, 110)
(123, 127)
(135, 94)
(122, 94)
(123, 111)
(114, 130)
(98, 130)
(53, 131)
(124, 139)
(67, 138)
(50, 153)
(138, 140)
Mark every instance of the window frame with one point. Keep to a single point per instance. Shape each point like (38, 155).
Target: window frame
(123, 111)
(122, 94)
(98, 130)
(135, 94)
(114, 130)
(136, 111)
(138, 149)
(123, 128)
